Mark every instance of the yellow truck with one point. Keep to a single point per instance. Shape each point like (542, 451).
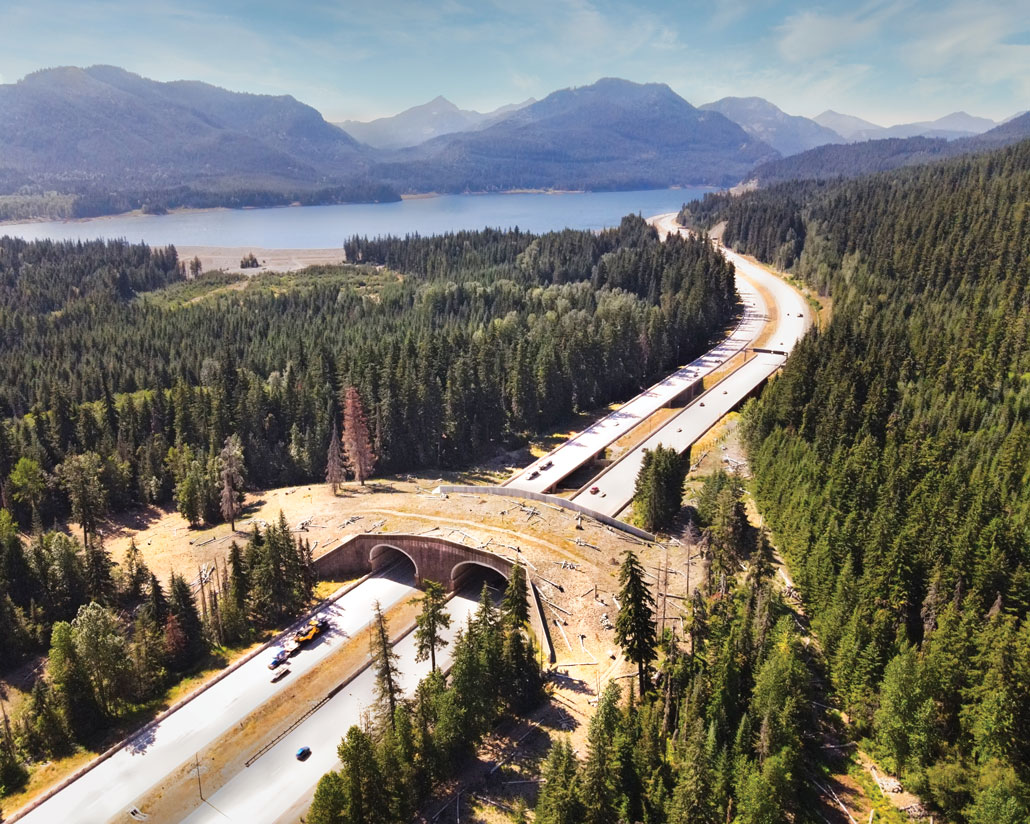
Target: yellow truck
(308, 633)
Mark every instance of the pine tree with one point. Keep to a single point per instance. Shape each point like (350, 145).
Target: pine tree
(231, 461)
(80, 477)
(658, 492)
(364, 784)
(183, 608)
(334, 463)
(330, 801)
(599, 790)
(103, 651)
(157, 604)
(356, 442)
(71, 684)
(431, 622)
(384, 664)
(635, 628)
(239, 579)
(134, 573)
(560, 800)
(515, 606)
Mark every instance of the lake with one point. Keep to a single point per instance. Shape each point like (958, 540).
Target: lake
(326, 227)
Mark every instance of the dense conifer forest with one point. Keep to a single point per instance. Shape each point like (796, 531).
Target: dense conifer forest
(126, 381)
(724, 729)
(461, 344)
(892, 458)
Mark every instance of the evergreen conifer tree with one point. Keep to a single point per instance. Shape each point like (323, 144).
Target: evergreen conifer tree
(635, 628)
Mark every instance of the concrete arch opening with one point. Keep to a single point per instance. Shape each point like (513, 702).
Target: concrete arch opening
(393, 563)
(473, 574)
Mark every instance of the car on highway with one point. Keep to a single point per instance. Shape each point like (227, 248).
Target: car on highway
(547, 465)
(280, 674)
(281, 657)
(303, 753)
(594, 490)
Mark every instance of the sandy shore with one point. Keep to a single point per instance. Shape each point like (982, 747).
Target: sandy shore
(228, 258)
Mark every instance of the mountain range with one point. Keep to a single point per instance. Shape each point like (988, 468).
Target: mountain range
(421, 123)
(78, 126)
(949, 127)
(762, 120)
(788, 134)
(115, 141)
(869, 156)
(612, 134)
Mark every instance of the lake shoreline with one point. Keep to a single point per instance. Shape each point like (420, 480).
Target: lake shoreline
(330, 226)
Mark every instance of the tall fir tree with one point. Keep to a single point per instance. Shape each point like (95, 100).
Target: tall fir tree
(635, 628)
(384, 664)
(356, 441)
(231, 462)
(430, 623)
(334, 462)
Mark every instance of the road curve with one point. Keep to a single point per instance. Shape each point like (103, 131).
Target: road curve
(581, 448)
(111, 788)
(794, 317)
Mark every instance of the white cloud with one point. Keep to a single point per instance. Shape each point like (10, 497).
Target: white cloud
(814, 34)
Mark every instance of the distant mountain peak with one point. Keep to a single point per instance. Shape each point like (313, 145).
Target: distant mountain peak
(612, 134)
(420, 123)
(788, 134)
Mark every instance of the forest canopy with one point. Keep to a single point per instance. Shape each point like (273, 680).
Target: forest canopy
(892, 459)
(456, 344)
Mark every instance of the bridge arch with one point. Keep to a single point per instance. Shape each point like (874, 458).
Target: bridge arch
(436, 559)
(463, 570)
(384, 555)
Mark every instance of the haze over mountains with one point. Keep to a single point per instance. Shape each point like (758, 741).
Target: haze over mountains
(78, 125)
(865, 157)
(612, 134)
(421, 123)
(788, 134)
(111, 141)
(950, 127)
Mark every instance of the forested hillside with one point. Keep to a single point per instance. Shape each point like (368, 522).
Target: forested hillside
(893, 461)
(883, 154)
(730, 734)
(463, 343)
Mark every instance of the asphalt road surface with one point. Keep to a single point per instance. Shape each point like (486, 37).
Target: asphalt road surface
(277, 787)
(580, 449)
(111, 789)
(616, 483)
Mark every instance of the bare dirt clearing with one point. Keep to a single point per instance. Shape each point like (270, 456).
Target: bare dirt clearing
(227, 258)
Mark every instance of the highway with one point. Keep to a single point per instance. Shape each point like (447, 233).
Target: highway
(578, 450)
(794, 317)
(277, 787)
(112, 788)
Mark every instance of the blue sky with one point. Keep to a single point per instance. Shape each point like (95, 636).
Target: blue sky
(888, 61)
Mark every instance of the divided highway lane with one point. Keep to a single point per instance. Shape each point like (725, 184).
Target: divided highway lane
(615, 485)
(578, 450)
(277, 787)
(109, 790)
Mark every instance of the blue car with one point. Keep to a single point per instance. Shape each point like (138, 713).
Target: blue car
(281, 657)
(303, 753)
